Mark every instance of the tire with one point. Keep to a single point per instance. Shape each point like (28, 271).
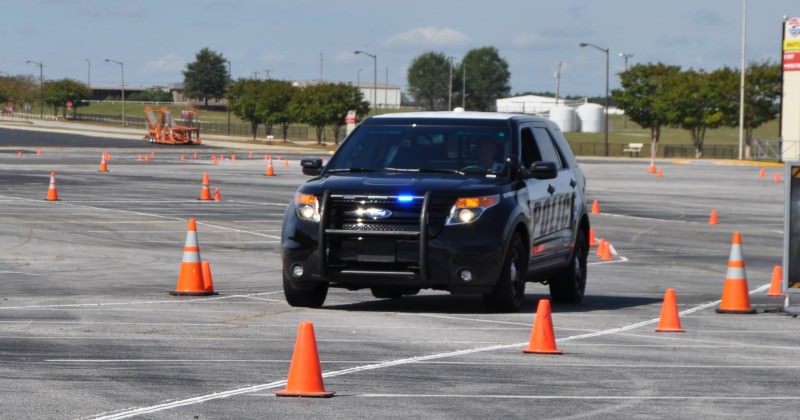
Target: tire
(509, 291)
(570, 284)
(312, 297)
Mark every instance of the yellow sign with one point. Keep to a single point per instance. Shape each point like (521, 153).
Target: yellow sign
(791, 34)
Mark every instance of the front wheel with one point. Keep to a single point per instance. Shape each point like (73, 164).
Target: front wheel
(570, 284)
(509, 291)
(312, 297)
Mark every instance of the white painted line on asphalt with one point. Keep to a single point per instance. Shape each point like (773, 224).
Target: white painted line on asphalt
(398, 362)
(586, 397)
(144, 302)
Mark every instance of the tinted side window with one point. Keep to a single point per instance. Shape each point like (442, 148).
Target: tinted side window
(530, 152)
(546, 146)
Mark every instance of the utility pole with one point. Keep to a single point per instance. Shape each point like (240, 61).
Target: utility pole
(228, 101)
(321, 66)
(558, 81)
(41, 86)
(463, 85)
(386, 89)
(88, 73)
(122, 87)
(450, 86)
(625, 56)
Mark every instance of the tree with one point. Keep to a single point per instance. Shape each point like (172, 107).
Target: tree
(206, 77)
(429, 80)
(308, 106)
(57, 93)
(696, 102)
(343, 99)
(762, 89)
(243, 100)
(18, 90)
(273, 106)
(644, 99)
(487, 78)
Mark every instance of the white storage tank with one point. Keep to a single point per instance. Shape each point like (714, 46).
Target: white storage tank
(565, 117)
(591, 118)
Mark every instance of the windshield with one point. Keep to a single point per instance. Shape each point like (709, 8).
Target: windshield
(425, 148)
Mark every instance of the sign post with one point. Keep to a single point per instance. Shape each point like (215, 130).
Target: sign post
(790, 102)
(791, 238)
(350, 120)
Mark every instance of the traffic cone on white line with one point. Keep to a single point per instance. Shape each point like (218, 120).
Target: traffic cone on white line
(190, 278)
(735, 293)
(52, 193)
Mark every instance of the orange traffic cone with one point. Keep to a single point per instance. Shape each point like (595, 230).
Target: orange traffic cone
(152, 154)
(147, 158)
(140, 157)
(777, 177)
(195, 155)
(595, 207)
(250, 155)
(38, 152)
(652, 168)
(103, 165)
(208, 282)
(182, 157)
(605, 254)
(543, 340)
(270, 169)
(52, 193)
(600, 245)
(19, 154)
(669, 321)
(776, 286)
(762, 173)
(305, 372)
(190, 278)
(205, 193)
(735, 294)
(712, 220)
(233, 157)
(217, 196)
(660, 173)
(592, 239)
(286, 163)
(214, 160)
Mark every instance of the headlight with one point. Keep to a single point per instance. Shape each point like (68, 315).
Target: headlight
(307, 207)
(469, 209)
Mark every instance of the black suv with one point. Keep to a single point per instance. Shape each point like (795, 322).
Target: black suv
(468, 202)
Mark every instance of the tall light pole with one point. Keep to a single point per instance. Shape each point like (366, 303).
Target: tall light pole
(88, 73)
(450, 86)
(358, 78)
(375, 76)
(605, 50)
(625, 56)
(122, 87)
(228, 102)
(741, 81)
(41, 86)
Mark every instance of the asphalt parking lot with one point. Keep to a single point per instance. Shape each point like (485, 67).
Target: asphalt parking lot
(89, 329)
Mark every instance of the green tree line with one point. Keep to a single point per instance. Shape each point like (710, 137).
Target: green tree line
(658, 95)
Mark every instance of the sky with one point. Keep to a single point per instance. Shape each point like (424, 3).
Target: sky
(309, 40)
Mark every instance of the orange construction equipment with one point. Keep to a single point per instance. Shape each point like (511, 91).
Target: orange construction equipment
(592, 239)
(270, 169)
(52, 193)
(595, 207)
(190, 278)
(543, 340)
(208, 282)
(712, 220)
(669, 322)
(162, 128)
(205, 193)
(305, 372)
(103, 165)
(217, 196)
(735, 293)
(776, 286)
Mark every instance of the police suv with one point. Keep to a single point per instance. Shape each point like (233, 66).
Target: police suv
(468, 202)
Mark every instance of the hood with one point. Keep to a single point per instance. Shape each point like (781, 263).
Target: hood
(403, 183)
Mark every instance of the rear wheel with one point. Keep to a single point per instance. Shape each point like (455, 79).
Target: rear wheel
(570, 284)
(509, 291)
(312, 297)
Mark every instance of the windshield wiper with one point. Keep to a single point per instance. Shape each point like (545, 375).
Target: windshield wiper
(441, 171)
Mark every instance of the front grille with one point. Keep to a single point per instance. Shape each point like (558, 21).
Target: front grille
(379, 227)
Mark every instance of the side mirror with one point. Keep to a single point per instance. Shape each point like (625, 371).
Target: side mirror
(311, 166)
(542, 170)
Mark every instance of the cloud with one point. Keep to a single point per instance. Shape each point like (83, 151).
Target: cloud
(529, 40)
(165, 63)
(429, 36)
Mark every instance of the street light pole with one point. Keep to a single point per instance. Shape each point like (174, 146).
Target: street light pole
(228, 102)
(605, 50)
(122, 87)
(625, 56)
(375, 76)
(41, 86)
(450, 86)
(358, 78)
(88, 73)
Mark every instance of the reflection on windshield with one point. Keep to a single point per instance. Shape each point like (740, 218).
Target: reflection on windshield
(441, 149)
